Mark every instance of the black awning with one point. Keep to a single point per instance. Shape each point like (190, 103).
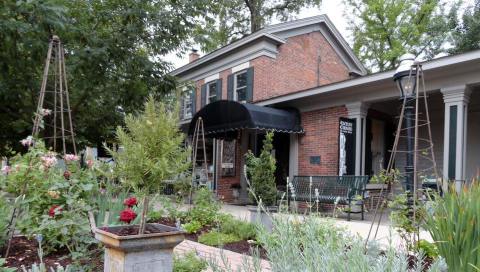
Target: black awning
(222, 117)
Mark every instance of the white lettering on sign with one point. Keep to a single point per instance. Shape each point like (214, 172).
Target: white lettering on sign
(346, 127)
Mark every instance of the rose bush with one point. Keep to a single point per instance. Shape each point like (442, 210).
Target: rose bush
(57, 198)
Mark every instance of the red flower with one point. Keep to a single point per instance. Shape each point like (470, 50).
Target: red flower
(127, 215)
(54, 210)
(130, 202)
(67, 174)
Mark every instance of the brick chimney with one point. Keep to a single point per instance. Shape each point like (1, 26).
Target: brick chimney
(193, 56)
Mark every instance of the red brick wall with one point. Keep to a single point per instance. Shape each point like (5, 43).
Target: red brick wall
(296, 67)
(320, 139)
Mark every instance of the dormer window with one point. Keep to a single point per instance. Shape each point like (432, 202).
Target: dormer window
(240, 86)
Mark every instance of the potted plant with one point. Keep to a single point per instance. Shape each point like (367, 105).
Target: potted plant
(260, 175)
(356, 204)
(152, 152)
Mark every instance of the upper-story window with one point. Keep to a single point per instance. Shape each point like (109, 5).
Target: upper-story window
(240, 86)
(187, 106)
(211, 92)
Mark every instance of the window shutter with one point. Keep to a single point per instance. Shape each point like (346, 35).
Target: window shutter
(194, 101)
(230, 87)
(250, 84)
(203, 95)
(219, 89)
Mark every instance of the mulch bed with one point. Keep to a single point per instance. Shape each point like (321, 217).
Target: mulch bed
(242, 247)
(24, 252)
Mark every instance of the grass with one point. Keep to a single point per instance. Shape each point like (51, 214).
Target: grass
(215, 238)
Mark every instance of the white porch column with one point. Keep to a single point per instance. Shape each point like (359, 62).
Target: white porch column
(456, 101)
(293, 159)
(358, 111)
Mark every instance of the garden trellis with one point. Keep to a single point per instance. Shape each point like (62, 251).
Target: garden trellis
(410, 123)
(57, 121)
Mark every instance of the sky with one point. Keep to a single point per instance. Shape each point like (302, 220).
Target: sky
(334, 9)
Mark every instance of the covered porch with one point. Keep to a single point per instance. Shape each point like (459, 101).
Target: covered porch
(231, 129)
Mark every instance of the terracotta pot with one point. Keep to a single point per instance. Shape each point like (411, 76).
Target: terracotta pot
(140, 253)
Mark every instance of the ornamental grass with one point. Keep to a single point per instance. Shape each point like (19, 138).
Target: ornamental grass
(454, 223)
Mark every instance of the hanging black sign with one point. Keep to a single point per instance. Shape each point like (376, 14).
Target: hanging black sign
(346, 147)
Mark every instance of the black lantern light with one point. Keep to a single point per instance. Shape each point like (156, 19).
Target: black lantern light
(406, 77)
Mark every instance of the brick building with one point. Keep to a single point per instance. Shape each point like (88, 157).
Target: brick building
(300, 79)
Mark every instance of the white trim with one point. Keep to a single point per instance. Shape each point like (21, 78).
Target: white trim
(212, 78)
(241, 67)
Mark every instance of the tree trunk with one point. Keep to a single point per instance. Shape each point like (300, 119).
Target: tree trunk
(143, 224)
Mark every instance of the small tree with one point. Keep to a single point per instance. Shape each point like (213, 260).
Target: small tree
(152, 151)
(262, 173)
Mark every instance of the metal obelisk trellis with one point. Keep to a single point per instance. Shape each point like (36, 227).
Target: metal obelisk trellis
(422, 148)
(57, 121)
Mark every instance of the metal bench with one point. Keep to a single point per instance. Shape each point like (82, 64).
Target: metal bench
(331, 189)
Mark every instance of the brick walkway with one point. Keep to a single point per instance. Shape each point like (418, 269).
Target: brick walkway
(225, 259)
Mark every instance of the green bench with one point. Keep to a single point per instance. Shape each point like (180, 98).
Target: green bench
(331, 189)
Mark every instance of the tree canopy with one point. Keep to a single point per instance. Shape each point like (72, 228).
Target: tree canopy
(114, 55)
(383, 30)
(233, 19)
(466, 36)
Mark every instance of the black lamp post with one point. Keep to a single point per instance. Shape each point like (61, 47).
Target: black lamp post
(405, 77)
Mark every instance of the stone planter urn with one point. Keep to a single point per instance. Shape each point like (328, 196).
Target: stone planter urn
(262, 216)
(141, 252)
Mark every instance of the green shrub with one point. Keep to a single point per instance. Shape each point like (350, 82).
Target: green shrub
(5, 215)
(215, 238)
(154, 216)
(261, 172)
(317, 244)
(454, 223)
(192, 226)
(188, 263)
(241, 229)
(205, 208)
(429, 249)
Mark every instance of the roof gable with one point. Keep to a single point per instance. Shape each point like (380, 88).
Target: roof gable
(264, 42)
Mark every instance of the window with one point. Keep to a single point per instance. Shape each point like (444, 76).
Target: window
(211, 92)
(240, 87)
(187, 106)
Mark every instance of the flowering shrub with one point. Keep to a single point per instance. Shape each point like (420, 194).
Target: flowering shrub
(127, 215)
(130, 202)
(56, 199)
